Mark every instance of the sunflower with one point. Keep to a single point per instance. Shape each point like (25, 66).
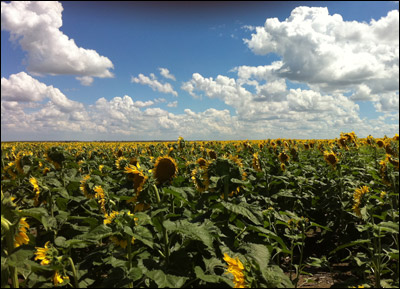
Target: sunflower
(121, 243)
(101, 198)
(357, 197)
(85, 188)
(370, 140)
(141, 207)
(393, 161)
(36, 190)
(331, 158)
(236, 268)
(121, 162)
(18, 162)
(380, 143)
(43, 254)
(165, 169)
(202, 162)
(137, 176)
(110, 218)
(212, 154)
(256, 162)
(294, 154)
(21, 237)
(58, 279)
(200, 185)
(9, 170)
(283, 157)
(225, 168)
(384, 173)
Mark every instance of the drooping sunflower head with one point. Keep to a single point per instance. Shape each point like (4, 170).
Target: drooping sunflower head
(84, 187)
(357, 198)
(197, 177)
(202, 162)
(181, 143)
(165, 169)
(283, 157)
(121, 163)
(212, 154)
(256, 162)
(21, 237)
(331, 158)
(224, 168)
(236, 268)
(294, 154)
(44, 254)
(393, 161)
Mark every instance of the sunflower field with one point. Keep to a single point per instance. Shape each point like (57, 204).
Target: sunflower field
(199, 214)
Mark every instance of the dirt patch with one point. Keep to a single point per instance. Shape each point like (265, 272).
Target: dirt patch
(340, 276)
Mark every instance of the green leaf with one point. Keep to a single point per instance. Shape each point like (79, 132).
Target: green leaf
(72, 243)
(85, 283)
(208, 278)
(259, 253)
(39, 214)
(19, 256)
(144, 235)
(390, 227)
(357, 242)
(97, 233)
(272, 235)
(320, 226)
(166, 280)
(191, 230)
(242, 209)
(135, 273)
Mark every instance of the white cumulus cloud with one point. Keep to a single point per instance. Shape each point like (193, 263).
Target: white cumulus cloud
(332, 54)
(165, 72)
(36, 24)
(154, 83)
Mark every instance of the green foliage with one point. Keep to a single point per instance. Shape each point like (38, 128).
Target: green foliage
(100, 218)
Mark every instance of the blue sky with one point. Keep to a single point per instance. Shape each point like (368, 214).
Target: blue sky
(201, 70)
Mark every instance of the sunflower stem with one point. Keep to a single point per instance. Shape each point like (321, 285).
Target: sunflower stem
(164, 230)
(9, 236)
(226, 188)
(129, 240)
(157, 194)
(71, 262)
(10, 248)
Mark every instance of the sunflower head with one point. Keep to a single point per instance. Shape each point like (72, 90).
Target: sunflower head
(256, 162)
(21, 237)
(196, 177)
(165, 169)
(85, 189)
(331, 158)
(294, 154)
(121, 163)
(236, 268)
(283, 157)
(181, 143)
(224, 168)
(380, 143)
(212, 154)
(202, 162)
